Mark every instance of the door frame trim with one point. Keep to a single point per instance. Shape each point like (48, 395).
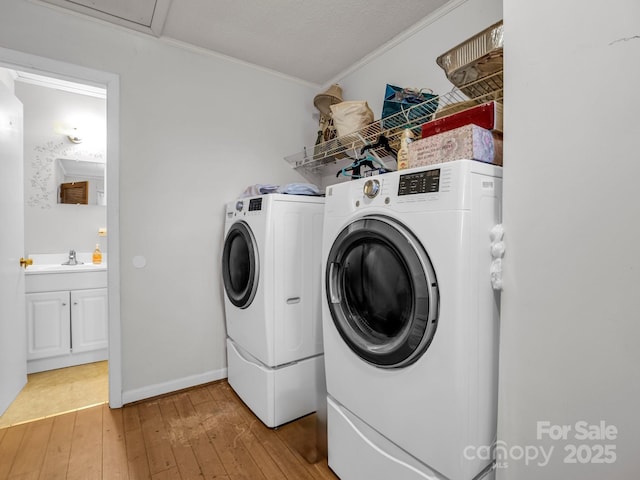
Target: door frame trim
(14, 59)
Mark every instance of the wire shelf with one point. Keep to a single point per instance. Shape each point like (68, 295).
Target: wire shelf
(311, 160)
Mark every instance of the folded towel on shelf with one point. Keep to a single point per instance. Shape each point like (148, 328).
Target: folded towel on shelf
(290, 189)
(300, 189)
(259, 189)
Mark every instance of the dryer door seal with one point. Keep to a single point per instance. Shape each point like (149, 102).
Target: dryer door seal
(382, 292)
(240, 265)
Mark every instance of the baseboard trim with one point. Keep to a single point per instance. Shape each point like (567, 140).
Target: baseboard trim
(149, 391)
(68, 360)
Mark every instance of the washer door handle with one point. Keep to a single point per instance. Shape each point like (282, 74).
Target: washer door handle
(334, 293)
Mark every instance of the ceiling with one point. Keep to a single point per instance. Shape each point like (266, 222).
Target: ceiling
(312, 40)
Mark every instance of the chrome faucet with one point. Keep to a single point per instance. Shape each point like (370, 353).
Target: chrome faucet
(72, 259)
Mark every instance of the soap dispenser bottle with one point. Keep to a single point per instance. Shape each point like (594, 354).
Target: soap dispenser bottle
(97, 255)
(403, 152)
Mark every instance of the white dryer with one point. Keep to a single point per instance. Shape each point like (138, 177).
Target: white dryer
(410, 323)
(271, 272)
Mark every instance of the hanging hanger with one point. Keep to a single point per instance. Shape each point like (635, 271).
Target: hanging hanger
(381, 142)
(369, 161)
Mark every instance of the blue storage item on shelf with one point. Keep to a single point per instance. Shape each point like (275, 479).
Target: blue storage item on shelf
(407, 106)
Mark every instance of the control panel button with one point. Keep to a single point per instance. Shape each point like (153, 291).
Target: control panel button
(371, 188)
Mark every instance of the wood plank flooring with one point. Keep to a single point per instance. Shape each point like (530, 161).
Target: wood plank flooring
(201, 433)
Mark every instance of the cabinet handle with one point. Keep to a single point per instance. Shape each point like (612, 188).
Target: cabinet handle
(75, 303)
(64, 304)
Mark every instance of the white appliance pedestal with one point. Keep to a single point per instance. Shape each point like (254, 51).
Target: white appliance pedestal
(358, 451)
(275, 395)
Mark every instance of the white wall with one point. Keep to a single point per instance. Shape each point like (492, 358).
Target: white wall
(51, 227)
(195, 130)
(570, 316)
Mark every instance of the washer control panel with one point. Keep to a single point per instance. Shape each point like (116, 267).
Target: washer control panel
(255, 204)
(420, 182)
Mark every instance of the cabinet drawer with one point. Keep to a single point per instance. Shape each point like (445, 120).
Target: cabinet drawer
(65, 281)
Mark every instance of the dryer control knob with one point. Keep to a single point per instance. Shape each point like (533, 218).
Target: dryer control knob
(371, 188)
(239, 205)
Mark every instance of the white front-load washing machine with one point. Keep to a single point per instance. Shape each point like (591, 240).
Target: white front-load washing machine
(410, 323)
(271, 273)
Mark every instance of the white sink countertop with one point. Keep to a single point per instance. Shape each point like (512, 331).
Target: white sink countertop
(54, 263)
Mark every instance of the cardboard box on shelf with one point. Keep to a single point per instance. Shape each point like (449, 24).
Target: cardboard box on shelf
(466, 142)
(487, 115)
(497, 145)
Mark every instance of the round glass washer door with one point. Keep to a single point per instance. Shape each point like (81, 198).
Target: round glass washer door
(382, 292)
(240, 265)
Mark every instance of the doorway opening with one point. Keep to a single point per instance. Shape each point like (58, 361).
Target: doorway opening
(109, 83)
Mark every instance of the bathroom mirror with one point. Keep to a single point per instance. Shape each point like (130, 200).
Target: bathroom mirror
(80, 182)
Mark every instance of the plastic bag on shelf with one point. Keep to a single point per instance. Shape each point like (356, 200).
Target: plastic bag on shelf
(350, 116)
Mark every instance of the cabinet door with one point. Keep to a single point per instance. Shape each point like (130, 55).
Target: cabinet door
(48, 329)
(88, 319)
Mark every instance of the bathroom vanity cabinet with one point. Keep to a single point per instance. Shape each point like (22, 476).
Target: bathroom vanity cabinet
(67, 326)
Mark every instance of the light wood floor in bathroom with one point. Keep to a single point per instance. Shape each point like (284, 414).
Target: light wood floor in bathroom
(59, 391)
(201, 433)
